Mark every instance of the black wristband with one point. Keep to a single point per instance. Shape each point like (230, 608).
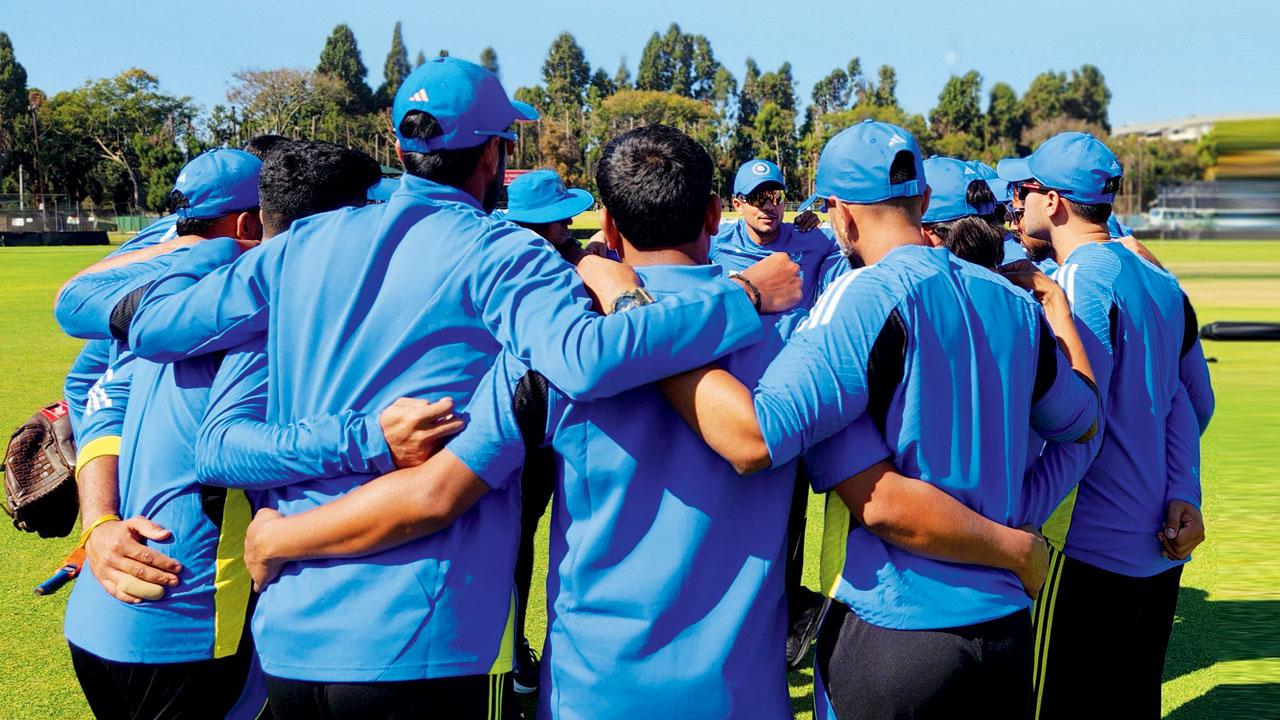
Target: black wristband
(752, 290)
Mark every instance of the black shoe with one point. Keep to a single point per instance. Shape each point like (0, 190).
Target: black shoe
(527, 669)
(803, 630)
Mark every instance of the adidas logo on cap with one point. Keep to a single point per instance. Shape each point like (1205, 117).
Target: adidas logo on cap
(420, 96)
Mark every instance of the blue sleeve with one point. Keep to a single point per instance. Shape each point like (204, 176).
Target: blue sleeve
(1057, 470)
(83, 308)
(832, 268)
(236, 447)
(103, 421)
(1182, 450)
(818, 383)
(203, 304)
(1194, 373)
(538, 309)
(492, 444)
(1068, 408)
(845, 454)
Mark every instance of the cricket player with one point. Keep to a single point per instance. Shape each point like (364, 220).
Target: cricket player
(1135, 518)
(416, 298)
(954, 365)
(759, 197)
(639, 625)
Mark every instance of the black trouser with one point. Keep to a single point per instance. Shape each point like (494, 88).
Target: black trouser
(136, 691)
(537, 482)
(873, 673)
(478, 697)
(799, 598)
(1101, 638)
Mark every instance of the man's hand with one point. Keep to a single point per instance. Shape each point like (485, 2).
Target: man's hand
(263, 568)
(807, 221)
(1035, 569)
(119, 560)
(597, 245)
(1027, 276)
(1183, 530)
(1136, 247)
(417, 429)
(777, 277)
(606, 280)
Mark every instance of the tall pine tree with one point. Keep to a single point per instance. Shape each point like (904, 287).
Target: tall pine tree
(341, 60)
(489, 60)
(395, 70)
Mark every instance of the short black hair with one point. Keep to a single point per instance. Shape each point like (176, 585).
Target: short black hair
(1098, 214)
(260, 146)
(976, 238)
(655, 181)
(305, 177)
(903, 167)
(447, 167)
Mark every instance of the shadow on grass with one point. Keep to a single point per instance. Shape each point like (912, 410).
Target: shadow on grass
(1236, 701)
(1208, 632)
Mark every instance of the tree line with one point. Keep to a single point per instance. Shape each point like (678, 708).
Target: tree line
(118, 142)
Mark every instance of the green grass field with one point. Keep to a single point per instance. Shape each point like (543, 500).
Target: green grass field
(1224, 660)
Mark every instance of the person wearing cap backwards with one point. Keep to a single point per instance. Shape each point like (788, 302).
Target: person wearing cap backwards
(950, 365)
(186, 647)
(416, 298)
(1126, 532)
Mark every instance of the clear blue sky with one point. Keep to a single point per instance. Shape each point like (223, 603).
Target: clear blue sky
(1161, 59)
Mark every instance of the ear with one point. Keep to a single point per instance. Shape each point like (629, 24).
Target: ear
(711, 218)
(399, 153)
(249, 226)
(930, 236)
(736, 203)
(491, 150)
(924, 200)
(612, 238)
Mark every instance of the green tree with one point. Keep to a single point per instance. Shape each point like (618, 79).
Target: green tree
(1087, 96)
(622, 78)
(886, 91)
(600, 87)
(443, 53)
(489, 60)
(655, 69)
(679, 49)
(420, 60)
(395, 69)
(1005, 118)
(859, 93)
(1045, 97)
(340, 59)
(831, 93)
(705, 68)
(566, 74)
(283, 101)
(779, 88)
(959, 108)
(13, 107)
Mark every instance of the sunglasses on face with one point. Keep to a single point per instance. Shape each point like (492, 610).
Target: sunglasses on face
(1014, 214)
(1026, 188)
(760, 198)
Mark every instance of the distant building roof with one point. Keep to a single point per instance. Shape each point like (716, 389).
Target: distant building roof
(1192, 127)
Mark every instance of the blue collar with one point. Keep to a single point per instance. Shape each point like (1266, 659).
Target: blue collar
(675, 278)
(412, 186)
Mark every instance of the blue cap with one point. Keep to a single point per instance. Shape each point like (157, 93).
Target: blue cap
(1075, 164)
(999, 188)
(467, 100)
(755, 173)
(854, 165)
(949, 180)
(381, 190)
(541, 197)
(217, 183)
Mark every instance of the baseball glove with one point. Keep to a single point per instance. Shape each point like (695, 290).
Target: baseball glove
(39, 474)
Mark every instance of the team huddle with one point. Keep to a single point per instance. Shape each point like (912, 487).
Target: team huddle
(320, 414)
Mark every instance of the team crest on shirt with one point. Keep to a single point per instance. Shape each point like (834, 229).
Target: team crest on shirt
(760, 169)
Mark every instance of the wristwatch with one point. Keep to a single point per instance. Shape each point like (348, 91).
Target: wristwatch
(630, 300)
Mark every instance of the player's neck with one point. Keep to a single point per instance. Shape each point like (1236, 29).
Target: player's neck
(759, 239)
(885, 240)
(1067, 242)
(692, 254)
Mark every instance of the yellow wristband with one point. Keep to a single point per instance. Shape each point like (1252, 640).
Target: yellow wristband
(84, 536)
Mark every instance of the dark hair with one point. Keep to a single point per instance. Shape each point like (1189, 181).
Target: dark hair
(1097, 214)
(655, 181)
(201, 227)
(447, 167)
(976, 238)
(306, 177)
(260, 146)
(903, 167)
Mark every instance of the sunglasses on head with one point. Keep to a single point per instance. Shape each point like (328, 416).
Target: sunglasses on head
(759, 198)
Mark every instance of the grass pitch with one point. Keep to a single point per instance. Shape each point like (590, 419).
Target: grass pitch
(1224, 658)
